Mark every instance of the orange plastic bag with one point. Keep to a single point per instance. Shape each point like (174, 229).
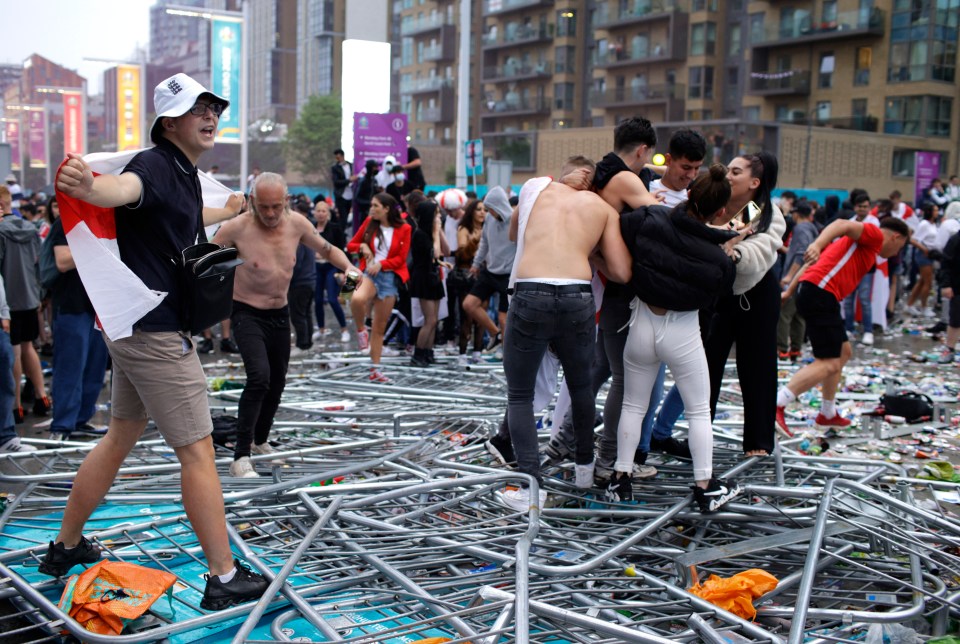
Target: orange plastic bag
(736, 594)
(107, 596)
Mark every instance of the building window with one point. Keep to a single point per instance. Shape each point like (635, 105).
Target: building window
(903, 115)
(733, 79)
(823, 111)
(908, 61)
(938, 115)
(858, 107)
(781, 113)
(827, 64)
(701, 82)
(563, 96)
(565, 60)
(566, 23)
(861, 70)
(751, 113)
(903, 163)
(756, 27)
(734, 44)
(829, 14)
(704, 5)
(944, 58)
(703, 38)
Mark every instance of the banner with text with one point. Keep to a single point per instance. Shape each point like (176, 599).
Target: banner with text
(13, 138)
(926, 169)
(128, 108)
(74, 123)
(37, 137)
(225, 61)
(377, 135)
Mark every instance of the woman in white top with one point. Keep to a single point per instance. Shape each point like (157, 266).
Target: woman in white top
(924, 239)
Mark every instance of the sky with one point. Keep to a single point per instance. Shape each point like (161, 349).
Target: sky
(67, 31)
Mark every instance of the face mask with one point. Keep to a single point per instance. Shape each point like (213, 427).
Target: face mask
(399, 177)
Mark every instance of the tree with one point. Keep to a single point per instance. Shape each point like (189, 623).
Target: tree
(313, 137)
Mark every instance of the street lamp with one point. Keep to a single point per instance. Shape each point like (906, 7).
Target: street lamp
(241, 17)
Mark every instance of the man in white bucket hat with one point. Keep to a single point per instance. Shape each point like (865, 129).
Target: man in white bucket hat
(158, 211)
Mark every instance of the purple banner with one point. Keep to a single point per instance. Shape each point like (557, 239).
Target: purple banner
(37, 138)
(13, 138)
(926, 169)
(377, 135)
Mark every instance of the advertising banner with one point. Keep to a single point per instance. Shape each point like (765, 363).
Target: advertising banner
(225, 61)
(74, 123)
(926, 169)
(37, 137)
(13, 138)
(128, 108)
(473, 152)
(377, 135)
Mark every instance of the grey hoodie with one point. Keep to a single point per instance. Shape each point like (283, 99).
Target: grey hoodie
(19, 250)
(495, 245)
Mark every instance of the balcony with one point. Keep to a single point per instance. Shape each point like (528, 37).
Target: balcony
(499, 7)
(789, 83)
(516, 72)
(614, 13)
(637, 95)
(515, 105)
(443, 50)
(425, 85)
(514, 35)
(615, 56)
(858, 123)
(802, 29)
(423, 24)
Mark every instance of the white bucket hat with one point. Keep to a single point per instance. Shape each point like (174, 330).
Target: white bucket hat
(174, 97)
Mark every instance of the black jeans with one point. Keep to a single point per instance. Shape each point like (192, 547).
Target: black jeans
(300, 298)
(562, 317)
(263, 337)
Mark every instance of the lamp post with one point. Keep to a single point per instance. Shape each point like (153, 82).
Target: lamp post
(241, 17)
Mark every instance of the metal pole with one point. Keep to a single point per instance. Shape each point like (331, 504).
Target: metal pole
(46, 139)
(244, 94)
(463, 88)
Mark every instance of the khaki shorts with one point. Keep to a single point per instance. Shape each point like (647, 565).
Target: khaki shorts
(158, 375)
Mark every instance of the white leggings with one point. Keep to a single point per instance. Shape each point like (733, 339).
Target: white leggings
(673, 338)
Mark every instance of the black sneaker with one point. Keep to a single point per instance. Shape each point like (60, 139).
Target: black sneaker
(493, 343)
(227, 345)
(245, 586)
(59, 560)
(620, 488)
(671, 446)
(89, 430)
(939, 327)
(718, 493)
(556, 452)
(205, 346)
(502, 450)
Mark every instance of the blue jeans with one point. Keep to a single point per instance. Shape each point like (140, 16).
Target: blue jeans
(562, 317)
(864, 291)
(7, 429)
(328, 291)
(667, 417)
(79, 363)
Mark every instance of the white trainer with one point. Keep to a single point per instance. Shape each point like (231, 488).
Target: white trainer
(867, 339)
(344, 336)
(14, 446)
(266, 449)
(584, 476)
(519, 500)
(242, 468)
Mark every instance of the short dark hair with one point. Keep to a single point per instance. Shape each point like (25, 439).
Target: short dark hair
(861, 197)
(788, 194)
(709, 192)
(803, 209)
(687, 144)
(632, 133)
(896, 224)
(338, 151)
(895, 194)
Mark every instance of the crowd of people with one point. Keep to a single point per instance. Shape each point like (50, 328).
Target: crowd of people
(615, 271)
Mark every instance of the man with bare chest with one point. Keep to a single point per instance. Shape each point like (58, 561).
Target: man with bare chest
(267, 238)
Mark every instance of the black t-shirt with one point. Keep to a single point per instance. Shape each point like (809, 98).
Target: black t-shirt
(415, 175)
(152, 233)
(68, 294)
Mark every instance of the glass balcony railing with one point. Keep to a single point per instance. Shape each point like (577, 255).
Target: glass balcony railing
(515, 34)
(517, 70)
(423, 23)
(501, 6)
(801, 26)
(425, 84)
(795, 82)
(617, 12)
(514, 103)
(637, 94)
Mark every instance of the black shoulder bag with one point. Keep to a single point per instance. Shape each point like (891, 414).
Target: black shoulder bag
(207, 271)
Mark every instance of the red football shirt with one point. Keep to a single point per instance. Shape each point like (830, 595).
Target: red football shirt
(843, 263)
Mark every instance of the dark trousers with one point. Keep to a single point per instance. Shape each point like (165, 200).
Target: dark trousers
(79, 364)
(264, 340)
(561, 317)
(328, 291)
(343, 207)
(750, 321)
(300, 299)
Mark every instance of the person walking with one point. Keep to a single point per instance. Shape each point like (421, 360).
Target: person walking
(425, 282)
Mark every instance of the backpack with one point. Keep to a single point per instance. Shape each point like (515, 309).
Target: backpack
(49, 273)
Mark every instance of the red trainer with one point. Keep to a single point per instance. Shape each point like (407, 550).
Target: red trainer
(363, 340)
(377, 376)
(784, 355)
(782, 422)
(836, 421)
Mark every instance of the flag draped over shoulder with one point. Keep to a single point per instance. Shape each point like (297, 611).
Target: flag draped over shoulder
(119, 297)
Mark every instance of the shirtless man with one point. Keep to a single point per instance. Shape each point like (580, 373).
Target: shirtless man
(267, 239)
(557, 229)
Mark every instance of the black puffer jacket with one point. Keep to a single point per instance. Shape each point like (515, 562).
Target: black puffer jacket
(678, 263)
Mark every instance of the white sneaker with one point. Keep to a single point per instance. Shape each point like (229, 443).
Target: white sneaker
(242, 468)
(344, 336)
(519, 500)
(584, 476)
(912, 310)
(267, 449)
(390, 352)
(14, 446)
(476, 357)
(462, 360)
(604, 473)
(296, 353)
(867, 339)
(929, 313)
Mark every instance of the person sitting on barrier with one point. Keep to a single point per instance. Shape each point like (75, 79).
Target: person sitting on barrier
(679, 266)
(835, 268)
(267, 239)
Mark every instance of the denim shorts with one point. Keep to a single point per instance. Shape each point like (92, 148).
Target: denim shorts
(386, 283)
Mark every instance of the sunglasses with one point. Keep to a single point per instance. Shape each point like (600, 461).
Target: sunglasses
(201, 108)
